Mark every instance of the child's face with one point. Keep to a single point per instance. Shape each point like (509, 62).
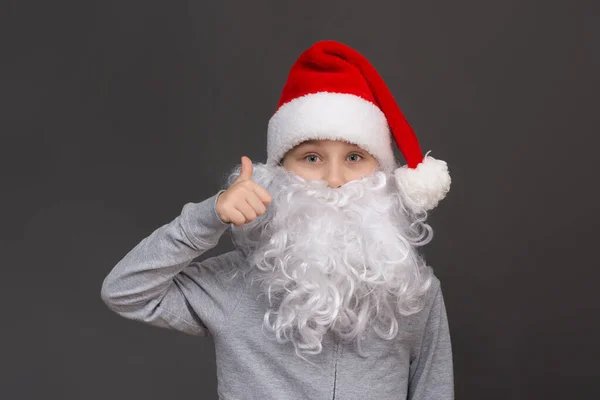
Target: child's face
(333, 161)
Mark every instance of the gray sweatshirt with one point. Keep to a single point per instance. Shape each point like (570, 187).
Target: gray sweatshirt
(159, 282)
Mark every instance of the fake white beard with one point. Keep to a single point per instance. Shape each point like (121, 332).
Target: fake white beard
(340, 259)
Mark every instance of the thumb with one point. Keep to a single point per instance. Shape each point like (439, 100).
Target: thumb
(246, 173)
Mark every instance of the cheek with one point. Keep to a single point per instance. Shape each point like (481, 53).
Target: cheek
(303, 172)
(308, 174)
(365, 169)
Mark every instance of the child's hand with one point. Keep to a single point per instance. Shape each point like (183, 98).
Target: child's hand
(244, 200)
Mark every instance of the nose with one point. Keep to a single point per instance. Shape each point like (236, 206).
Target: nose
(335, 176)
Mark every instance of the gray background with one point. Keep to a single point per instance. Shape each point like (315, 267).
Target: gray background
(116, 113)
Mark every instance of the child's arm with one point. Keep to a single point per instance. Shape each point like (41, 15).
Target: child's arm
(431, 373)
(157, 282)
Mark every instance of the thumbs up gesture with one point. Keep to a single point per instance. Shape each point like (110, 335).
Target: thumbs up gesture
(244, 200)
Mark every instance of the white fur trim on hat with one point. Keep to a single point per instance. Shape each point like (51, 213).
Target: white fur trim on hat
(424, 186)
(334, 116)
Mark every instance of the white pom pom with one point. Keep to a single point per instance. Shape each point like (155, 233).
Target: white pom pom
(423, 187)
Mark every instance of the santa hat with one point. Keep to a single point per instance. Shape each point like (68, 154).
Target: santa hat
(333, 92)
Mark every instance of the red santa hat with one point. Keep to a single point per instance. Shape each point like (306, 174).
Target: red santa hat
(333, 92)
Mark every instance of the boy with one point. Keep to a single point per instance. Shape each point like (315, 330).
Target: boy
(325, 295)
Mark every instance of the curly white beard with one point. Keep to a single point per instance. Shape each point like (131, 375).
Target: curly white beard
(340, 259)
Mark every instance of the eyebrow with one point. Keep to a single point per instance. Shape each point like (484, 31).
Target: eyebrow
(312, 141)
(316, 142)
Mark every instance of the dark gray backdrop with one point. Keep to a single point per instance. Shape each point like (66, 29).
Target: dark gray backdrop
(116, 113)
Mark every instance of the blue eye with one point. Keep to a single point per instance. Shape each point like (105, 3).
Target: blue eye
(311, 158)
(354, 157)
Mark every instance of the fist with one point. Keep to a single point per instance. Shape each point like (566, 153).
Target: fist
(244, 200)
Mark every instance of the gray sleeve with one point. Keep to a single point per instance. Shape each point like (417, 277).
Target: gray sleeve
(431, 372)
(157, 282)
